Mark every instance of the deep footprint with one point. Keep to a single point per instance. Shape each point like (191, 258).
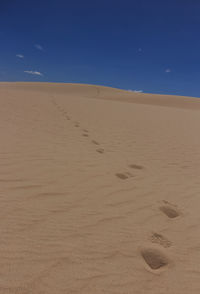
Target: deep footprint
(154, 258)
(169, 211)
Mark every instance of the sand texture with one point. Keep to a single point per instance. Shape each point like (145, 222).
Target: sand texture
(99, 191)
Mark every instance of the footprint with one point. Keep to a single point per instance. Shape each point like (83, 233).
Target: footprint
(100, 150)
(77, 125)
(85, 131)
(169, 210)
(160, 239)
(154, 258)
(136, 166)
(85, 135)
(123, 176)
(95, 142)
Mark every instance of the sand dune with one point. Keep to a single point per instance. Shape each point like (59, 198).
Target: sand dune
(99, 191)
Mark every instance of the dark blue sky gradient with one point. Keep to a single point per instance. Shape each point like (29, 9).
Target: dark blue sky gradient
(98, 42)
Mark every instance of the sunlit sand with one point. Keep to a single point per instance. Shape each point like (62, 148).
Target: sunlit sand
(99, 191)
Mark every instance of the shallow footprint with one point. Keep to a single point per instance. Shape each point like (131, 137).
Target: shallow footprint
(85, 135)
(154, 258)
(124, 176)
(95, 142)
(100, 150)
(121, 176)
(136, 166)
(169, 211)
(160, 239)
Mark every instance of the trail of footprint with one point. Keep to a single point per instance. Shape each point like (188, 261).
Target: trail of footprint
(77, 125)
(85, 131)
(62, 111)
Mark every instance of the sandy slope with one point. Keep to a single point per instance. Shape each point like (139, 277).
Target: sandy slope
(99, 191)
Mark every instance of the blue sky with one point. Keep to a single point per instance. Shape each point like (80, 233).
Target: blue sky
(153, 46)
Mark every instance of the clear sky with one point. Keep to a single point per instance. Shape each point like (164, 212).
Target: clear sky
(147, 45)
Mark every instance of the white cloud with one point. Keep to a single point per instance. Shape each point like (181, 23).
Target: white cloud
(136, 91)
(37, 73)
(168, 70)
(39, 47)
(20, 55)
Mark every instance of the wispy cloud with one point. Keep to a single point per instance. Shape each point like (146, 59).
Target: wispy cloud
(39, 47)
(31, 72)
(168, 70)
(136, 91)
(20, 55)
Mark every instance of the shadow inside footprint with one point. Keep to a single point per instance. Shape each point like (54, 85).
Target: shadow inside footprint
(95, 142)
(85, 135)
(135, 166)
(122, 176)
(154, 258)
(169, 211)
(100, 150)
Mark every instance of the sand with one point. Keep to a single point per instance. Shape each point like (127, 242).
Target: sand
(99, 191)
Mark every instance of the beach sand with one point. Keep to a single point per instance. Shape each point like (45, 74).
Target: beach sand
(99, 191)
